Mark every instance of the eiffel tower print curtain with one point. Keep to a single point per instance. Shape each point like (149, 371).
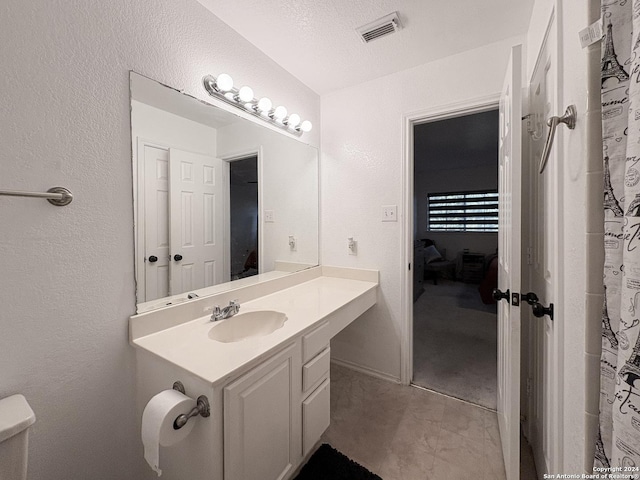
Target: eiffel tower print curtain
(618, 441)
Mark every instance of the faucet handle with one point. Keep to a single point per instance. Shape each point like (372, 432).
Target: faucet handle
(213, 310)
(235, 304)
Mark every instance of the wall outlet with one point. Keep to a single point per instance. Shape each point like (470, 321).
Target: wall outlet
(389, 213)
(353, 246)
(268, 216)
(292, 243)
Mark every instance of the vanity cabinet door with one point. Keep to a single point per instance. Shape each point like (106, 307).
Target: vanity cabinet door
(262, 420)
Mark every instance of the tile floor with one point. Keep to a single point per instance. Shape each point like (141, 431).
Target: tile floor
(406, 433)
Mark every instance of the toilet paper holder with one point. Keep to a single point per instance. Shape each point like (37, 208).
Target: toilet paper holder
(202, 408)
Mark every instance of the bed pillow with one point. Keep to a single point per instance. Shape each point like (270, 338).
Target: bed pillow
(431, 254)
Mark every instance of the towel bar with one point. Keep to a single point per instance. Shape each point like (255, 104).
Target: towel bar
(58, 196)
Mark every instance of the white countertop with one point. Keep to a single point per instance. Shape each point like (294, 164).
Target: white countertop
(332, 298)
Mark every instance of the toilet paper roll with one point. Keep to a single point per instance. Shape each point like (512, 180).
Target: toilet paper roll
(157, 424)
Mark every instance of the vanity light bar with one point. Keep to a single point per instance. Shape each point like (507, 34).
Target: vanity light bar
(242, 98)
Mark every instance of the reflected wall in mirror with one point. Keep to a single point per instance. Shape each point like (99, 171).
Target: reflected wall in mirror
(220, 201)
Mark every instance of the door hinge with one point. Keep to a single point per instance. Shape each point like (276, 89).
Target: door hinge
(528, 387)
(529, 255)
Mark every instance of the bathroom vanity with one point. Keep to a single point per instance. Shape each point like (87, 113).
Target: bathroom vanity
(267, 383)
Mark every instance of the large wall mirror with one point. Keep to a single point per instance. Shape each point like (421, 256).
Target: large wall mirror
(220, 200)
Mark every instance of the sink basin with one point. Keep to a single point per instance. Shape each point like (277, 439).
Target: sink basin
(247, 325)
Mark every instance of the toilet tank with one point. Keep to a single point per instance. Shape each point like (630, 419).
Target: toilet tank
(16, 417)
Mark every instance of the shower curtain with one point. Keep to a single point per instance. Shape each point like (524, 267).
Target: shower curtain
(618, 441)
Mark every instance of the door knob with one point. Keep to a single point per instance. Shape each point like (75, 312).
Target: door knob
(540, 310)
(177, 257)
(153, 259)
(530, 298)
(498, 295)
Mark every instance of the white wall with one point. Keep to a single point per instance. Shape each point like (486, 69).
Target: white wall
(583, 251)
(160, 126)
(362, 159)
(67, 284)
(288, 172)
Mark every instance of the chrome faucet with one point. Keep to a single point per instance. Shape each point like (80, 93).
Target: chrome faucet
(226, 312)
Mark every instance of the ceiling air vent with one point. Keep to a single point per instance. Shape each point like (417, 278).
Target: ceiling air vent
(379, 28)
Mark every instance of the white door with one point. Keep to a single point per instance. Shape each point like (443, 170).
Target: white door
(156, 222)
(544, 414)
(509, 261)
(196, 225)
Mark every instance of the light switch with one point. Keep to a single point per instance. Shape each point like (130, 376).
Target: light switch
(389, 213)
(268, 216)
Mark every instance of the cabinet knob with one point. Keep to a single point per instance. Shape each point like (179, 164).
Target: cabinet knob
(153, 259)
(177, 257)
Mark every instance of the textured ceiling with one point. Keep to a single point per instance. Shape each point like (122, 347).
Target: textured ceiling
(316, 40)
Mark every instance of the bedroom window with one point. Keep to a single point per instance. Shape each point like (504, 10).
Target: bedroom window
(463, 211)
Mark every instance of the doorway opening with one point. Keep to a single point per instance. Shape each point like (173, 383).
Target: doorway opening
(243, 217)
(455, 242)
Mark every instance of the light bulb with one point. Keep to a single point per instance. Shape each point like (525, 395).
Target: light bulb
(294, 120)
(306, 126)
(264, 105)
(245, 94)
(280, 112)
(224, 82)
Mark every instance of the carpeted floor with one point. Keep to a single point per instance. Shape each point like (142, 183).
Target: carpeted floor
(455, 343)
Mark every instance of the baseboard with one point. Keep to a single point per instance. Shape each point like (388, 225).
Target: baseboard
(366, 370)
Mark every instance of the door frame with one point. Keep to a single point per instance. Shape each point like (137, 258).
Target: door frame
(467, 107)
(255, 151)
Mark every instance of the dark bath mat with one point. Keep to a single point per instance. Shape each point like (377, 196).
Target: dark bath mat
(327, 463)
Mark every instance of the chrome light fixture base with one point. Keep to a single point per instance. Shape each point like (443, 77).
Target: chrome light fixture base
(232, 97)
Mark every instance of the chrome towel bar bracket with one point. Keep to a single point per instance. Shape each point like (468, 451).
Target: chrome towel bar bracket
(569, 119)
(58, 196)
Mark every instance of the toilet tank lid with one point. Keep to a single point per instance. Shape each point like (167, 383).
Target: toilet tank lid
(15, 416)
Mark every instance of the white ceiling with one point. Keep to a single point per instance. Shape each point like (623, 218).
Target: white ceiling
(316, 41)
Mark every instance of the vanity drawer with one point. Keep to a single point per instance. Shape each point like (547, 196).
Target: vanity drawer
(317, 368)
(315, 416)
(315, 341)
